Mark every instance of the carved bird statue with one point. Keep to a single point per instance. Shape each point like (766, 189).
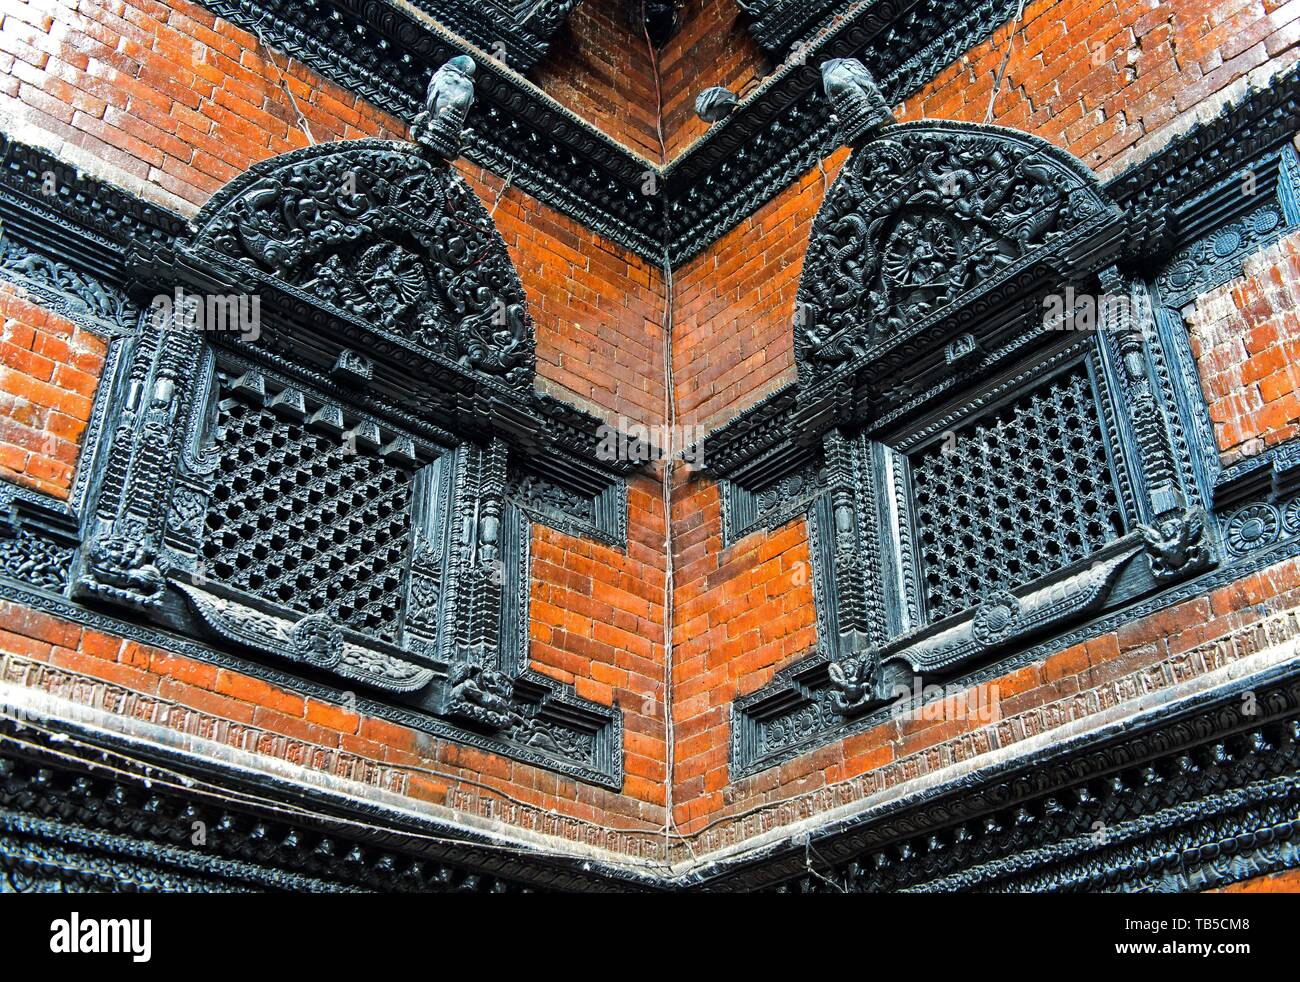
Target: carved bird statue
(447, 101)
(858, 106)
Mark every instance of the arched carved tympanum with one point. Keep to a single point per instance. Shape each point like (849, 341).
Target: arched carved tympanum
(376, 232)
(927, 216)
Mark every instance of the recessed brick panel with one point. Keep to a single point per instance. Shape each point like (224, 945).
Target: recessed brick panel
(49, 369)
(1246, 338)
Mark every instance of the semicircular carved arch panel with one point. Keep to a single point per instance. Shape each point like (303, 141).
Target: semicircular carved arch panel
(921, 216)
(376, 231)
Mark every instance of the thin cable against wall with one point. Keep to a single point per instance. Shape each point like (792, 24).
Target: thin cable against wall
(668, 457)
(302, 120)
(1006, 57)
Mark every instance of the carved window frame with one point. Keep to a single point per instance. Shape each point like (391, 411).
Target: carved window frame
(841, 418)
(474, 419)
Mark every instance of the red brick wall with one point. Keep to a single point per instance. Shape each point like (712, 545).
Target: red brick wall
(711, 47)
(739, 615)
(1288, 882)
(599, 67)
(49, 368)
(1173, 646)
(1246, 337)
(46, 653)
(1103, 79)
(165, 100)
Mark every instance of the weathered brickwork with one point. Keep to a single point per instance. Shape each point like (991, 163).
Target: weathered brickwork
(1288, 882)
(1246, 337)
(597, 623)
(167, 101)
(600, 69)
(49, 368)
(739, 615)
(254, 715)
(1110, 81)
(1154, 653)
(712, 47)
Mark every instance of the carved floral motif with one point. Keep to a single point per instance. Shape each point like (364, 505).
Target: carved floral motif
(919, 216)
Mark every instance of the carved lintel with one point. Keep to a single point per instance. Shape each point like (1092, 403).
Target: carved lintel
(315, 640)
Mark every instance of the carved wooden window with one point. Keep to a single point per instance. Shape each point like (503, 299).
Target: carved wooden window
(1012, 494)
(308, 508)
(983, 407)
(344, 488)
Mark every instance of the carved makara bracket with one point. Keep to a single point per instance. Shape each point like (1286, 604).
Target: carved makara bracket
(860, 680)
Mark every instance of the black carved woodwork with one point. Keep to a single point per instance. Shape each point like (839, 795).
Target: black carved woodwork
(1014, 496)
(1192, 797)
(385, 55)
(322, 449)
(999, 436)
(515, 32)
(1184, 230)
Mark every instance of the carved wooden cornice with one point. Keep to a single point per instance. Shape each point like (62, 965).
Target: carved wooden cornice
(1192, 799)
(383, 52)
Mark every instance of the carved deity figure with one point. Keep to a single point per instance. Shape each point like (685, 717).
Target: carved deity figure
(447, 101)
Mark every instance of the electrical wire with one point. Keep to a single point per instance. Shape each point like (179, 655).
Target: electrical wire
(669, 460)
(302, 120)
(1006, 57)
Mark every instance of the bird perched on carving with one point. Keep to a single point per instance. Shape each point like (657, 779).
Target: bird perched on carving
(715, 104)
(447, 101)
(858, 106)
